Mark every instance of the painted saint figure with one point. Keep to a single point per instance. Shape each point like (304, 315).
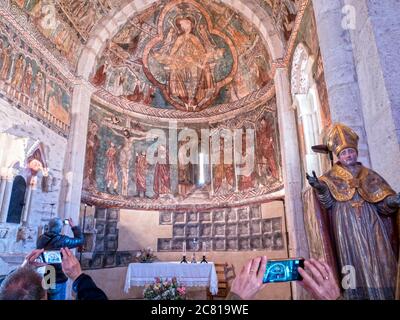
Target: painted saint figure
(27, 80)
(111, 170)
(162, 184)
(92, 146)
(267, 164)
(18, 72)
(39, 88)
(190, 75)
(362, 209)
(141, 171)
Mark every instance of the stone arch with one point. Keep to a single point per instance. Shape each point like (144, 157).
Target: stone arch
(108, 27)
(307, 104)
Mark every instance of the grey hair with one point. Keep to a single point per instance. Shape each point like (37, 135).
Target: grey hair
(55, 225)
(25, 283)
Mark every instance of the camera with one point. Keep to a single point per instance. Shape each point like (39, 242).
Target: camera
(52, 257)
(283, 270)
(66, 221)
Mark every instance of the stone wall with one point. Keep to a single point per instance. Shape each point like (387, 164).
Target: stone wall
(43, 204)
(133, 235)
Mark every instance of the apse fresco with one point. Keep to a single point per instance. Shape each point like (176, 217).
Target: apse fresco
(132, 164)
(283, 13)
(26, 78)
(186, 55)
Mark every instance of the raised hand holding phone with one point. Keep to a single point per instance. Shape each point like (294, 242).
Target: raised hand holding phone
(283, 270)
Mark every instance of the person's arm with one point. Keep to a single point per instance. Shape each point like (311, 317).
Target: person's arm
(86, 289)
(249, 281)
(319, 280)
(83, 284)
(321, 190)
(390, 205)
(77, 240)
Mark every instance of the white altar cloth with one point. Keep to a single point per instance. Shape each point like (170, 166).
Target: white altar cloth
(187, 274)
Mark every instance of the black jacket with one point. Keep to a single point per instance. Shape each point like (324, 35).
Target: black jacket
(86, 289)
(54, 241)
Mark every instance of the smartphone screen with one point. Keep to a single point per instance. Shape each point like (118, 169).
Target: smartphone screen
(66, 221)
(52, 257)
(283, 270)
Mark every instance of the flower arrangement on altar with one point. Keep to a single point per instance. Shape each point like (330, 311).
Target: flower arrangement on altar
(146, 255)
(164, 290)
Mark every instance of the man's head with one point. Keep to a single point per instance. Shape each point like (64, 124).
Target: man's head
(348, 157)
(22, 284)
(55, 225)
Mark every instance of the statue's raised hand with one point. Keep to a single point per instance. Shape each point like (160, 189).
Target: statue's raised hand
(314, 182)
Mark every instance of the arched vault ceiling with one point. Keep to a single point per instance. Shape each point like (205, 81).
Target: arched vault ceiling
(68, 25)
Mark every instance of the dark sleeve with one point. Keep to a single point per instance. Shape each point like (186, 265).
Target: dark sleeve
(384, 208)
(325, 197)
(86, 289)
(77, 241)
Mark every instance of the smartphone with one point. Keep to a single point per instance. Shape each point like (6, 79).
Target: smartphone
(52, 257)
(283, 270)
(66, 221)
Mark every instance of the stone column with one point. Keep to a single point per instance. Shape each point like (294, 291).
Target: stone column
(340, 74)
(298, 245)
(376, 45)
(28, 200)
(3, 183)
(7, 184)
(70, 197)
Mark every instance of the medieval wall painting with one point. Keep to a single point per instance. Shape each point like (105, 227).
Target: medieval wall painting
(119, 150)
(188, 55)
(25, 77)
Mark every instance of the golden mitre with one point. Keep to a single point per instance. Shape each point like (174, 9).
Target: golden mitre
(340, 137)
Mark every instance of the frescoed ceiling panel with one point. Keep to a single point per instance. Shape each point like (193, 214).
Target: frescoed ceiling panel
(186, 55)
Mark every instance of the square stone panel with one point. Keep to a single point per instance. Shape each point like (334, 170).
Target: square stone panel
(97, 261)
(219, 230)
(205, 216)
(255, 212)
(164, 245)
(267, 225)
(231, 230)
(165, 217)
(111, 228)
(124, 258)
(192, 230)
(192, 246)
(85, 263)
(267, 241)
(112, 214)
(243, 214)
(278, 243)
(243, 228)
(276, 224)
(99, 245)
(110, 260)
(232, 244)
(100, 214)
(219, 245)
(179, 217)
(244, 244)
(256, 227)
(206, 230)
(206, 245)
(218, 216)
(100, 227)
(178, 230)
(256, 243)
(177, 244)
(231, 215)
(111, 243)
(192, 217)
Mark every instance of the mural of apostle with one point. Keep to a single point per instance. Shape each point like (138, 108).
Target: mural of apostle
(18, 72)
(266, 151)
(39, 89)
(141, 170)
(111, 169)
(91, 147)
(27, 80)
(162, 183)
(6, 63)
